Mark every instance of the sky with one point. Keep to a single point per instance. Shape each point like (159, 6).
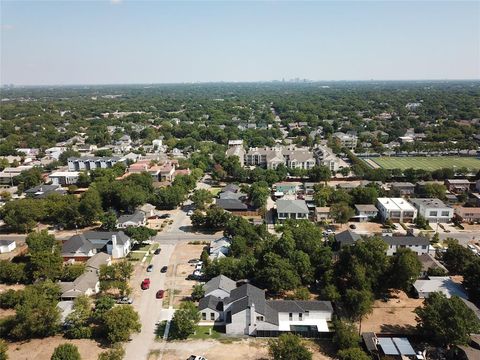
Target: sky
(129, 41)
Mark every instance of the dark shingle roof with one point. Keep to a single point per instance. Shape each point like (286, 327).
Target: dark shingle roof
(136, 217)
(83, 241)
(406, 240)
(299, 305)
(347, 237)
(220, 282)
(210, 302)
(231, 204)
(246, 295)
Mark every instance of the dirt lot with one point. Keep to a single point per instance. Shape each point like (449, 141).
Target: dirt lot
(178, 270)
(394, 316)
(218, 350)
(42, 349)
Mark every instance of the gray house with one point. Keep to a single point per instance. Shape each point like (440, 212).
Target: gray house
(245, 310)
(291, 209)
(81, 247)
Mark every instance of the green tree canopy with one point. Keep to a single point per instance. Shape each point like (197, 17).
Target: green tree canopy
(288, 347)
(66, 352)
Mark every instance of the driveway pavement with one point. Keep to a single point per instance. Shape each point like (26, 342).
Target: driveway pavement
(148, 307)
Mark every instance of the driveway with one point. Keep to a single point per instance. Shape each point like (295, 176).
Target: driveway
(148, 307)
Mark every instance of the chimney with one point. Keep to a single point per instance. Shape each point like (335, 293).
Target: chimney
(114, 240)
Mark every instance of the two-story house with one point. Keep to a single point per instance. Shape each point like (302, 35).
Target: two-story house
(291, 209)
(396, 210)
(434, 210)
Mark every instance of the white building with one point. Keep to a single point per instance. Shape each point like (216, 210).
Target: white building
(7, 246)
(418, 244)
(64, 177)
(346, 140)
(443, 284)
(396, 210)
(434, 210)
(83, 246)
(326, 157)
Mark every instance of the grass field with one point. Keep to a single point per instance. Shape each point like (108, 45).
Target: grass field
(427, 163)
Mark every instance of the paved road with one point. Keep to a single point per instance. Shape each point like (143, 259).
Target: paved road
(148, 307)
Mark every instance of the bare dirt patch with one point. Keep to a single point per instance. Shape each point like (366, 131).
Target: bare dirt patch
(393, 316)
(217, 350)
(41, 349)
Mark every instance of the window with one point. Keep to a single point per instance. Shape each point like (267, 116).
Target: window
(212, 316)
(307, 313)
(445, 213)
(259, 318)
(204, 316)
(300, 316)
(290, 316)
(433, 213)
(424, 246)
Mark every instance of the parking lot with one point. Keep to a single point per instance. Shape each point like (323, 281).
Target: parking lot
(179, 288)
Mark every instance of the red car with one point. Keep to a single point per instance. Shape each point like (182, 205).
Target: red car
(159, 294)
(145, 284)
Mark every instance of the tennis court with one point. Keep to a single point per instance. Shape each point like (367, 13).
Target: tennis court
(426, 162)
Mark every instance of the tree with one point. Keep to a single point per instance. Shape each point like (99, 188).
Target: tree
(109, 221)
(12, 273)
(116, 276)
(22, 215)
(405, 269)
(3, 350)
(358, 302)
(353, 354)
(258, 194)
(40, 241)
(117, 353)
(457, 257)
(45, 265)
(66, 352)
(63, 158)
(319, 173)
(341, 212)
(277, 274)
(184, 321)
(201, 198)
(102, 305)
(288, 347)
(346, 335)
(446, 321)
(140, 234)
(120, 322)
(198, 292)
(421, 222)
(90, 207)
(471, 280)
(79, 319)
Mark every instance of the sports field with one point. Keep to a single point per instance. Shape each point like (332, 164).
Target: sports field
(424, 162)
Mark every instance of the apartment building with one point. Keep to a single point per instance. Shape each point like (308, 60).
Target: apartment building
(346, 140)
(92, 163)
(396, 210)
(272, 157)
(434, 210)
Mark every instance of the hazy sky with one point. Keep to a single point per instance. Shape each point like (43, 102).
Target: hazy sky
(129, 41)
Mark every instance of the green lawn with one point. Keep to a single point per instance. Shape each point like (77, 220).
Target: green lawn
(215, 190)
(136, 256)
(427, 163)
(202, 332)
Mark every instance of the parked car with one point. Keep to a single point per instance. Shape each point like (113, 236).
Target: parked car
(150, 268)
(195, 357)
(157, 251)
(198, 267)
(190, 213)
(124, 300)
(164, 216)
(145, 284)
(159, 294)
(193, 261)
(353, 226)
(164, 269)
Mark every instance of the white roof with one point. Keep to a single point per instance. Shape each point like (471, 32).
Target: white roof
(64, 173)
(442, 284)
(396, 204)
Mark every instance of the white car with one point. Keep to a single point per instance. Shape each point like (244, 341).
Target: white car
(194, 357)
(190, 213)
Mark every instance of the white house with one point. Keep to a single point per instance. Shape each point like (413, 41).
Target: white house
(138, 218)
(396, 210)
(219, 248)
(7, 246)
(83, 246)
(443, 284)
(418, 244)
(434, 210)
(366, 212)
(245, 311)
(64, 178)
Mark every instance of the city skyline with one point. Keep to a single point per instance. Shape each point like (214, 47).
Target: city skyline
(128, 42)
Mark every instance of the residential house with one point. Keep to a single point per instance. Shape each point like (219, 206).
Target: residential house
(81, 247)
(138, 218)
(286, 188)
(64, 178)
(457, 186)
(366, 212)
(7, 246)
(219, 248)
(346, 238)
(403, 188)
(396, 210)
(244, 310)
(88, 283)
(231, 205)
(291, 209)
(42, 191)
(418, 244)
(322, 213)
(9, 173)
(429, 262)
(434, 210)
(92, 163)
(309, 188)
(443, 284)
(348, 141)
(148, 209)
(468, 214)
(167, 171)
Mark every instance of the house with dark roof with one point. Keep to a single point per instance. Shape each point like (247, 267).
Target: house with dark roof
(291, 209)
(81, 247)
(42, 191)
(365, 212)
(231, 205)
(244, 310)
